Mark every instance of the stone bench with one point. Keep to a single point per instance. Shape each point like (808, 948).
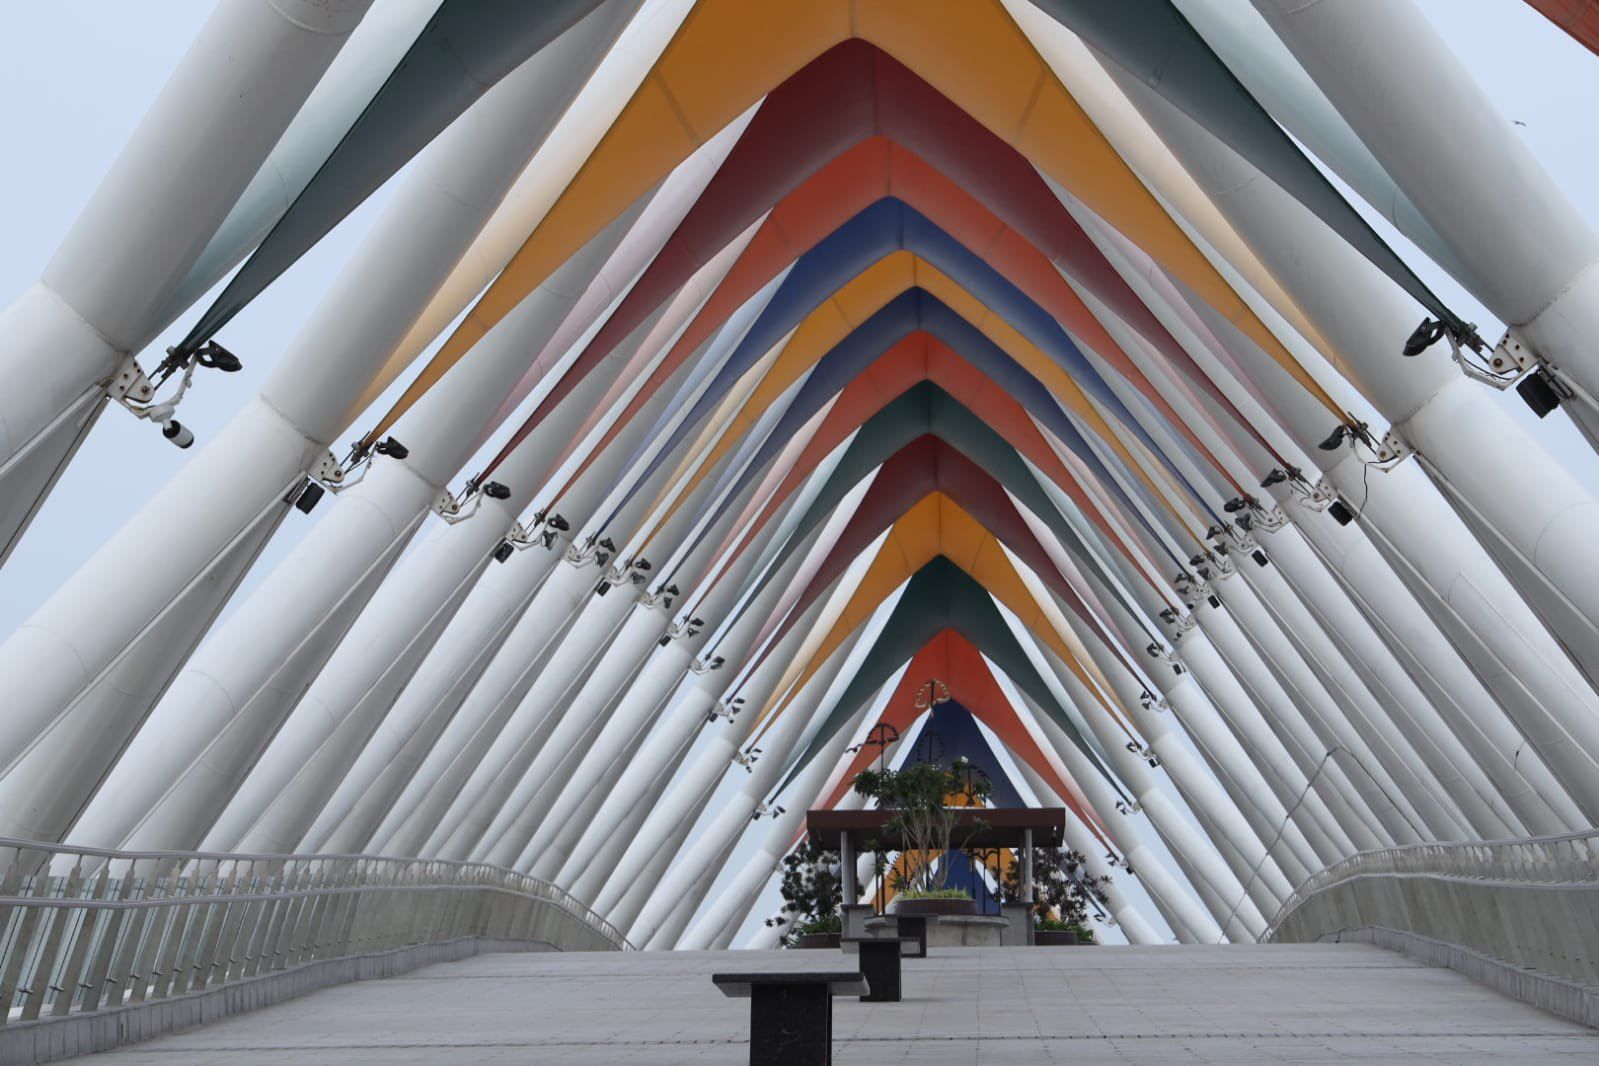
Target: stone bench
(880, 964)
(912, 927)
(791, 1014)
(943, 930)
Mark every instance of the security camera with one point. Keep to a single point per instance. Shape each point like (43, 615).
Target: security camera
(178, 433)
(309, 496)
(496, 491)
(1335, 439)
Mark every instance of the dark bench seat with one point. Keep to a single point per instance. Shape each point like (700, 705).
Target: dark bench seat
(880, 964)
(791, 1014)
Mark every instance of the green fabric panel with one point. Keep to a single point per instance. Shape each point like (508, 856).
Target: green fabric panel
(466, 48)
(943, 596)
(927, 408)
(1152, 40)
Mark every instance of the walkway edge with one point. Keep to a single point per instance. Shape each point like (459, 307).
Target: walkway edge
(49, 1039)
(1568, 999)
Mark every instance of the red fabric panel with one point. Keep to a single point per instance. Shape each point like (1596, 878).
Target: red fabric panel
(1580, 18)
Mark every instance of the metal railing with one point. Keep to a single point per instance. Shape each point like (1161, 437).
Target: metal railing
(1531, 903)
(89, 929)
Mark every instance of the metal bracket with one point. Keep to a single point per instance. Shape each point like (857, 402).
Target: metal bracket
(1511, 356)
(1320, 497)
(130, 384)
(327, 472)
(451, 509)
(1393, 449)
(1270, 518)
(688, 628)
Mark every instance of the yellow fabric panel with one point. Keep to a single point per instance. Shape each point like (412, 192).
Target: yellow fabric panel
(866, 294)
(729, 53)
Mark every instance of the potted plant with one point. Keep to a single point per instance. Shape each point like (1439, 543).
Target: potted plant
(812, 892)
(1063, 892)
(916, 797)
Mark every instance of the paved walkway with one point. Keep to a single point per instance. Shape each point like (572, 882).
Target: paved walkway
(1277, 1004)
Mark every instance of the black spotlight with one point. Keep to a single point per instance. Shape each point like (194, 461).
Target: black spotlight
(1276, 477)
(1539, 392)
(1233, 506)
(309, 497)
(1340, 512)
(1335, 439)
(503, 552)
(557, 523)
(496, 491)
(1259, 557)
(1425, 336)
(392, 448)
(216, 357)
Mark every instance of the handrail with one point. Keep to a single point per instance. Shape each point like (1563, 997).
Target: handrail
(85, 929)
(1530, 902)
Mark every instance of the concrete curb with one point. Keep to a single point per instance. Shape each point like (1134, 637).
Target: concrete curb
(49, 1039)
(1568, 999)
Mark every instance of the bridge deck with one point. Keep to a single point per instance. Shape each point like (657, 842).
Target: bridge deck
(1279, 1004)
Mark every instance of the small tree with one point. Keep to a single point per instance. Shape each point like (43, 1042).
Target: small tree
(916, 797)
(812, 891)
(1063, 890)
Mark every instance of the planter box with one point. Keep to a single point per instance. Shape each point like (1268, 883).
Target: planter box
(819, 940)
(1055, 938)
(933, 907)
